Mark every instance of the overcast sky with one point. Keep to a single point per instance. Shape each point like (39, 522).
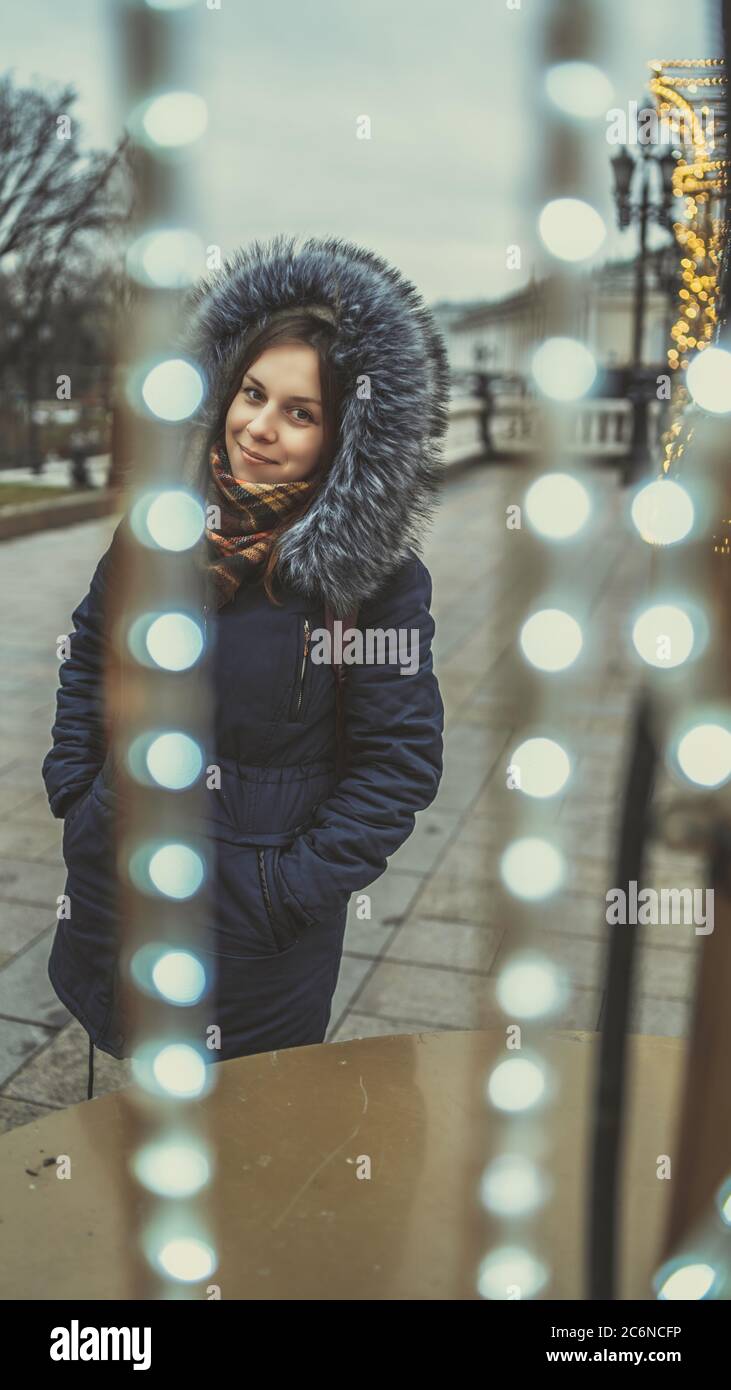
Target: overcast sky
(440, 187)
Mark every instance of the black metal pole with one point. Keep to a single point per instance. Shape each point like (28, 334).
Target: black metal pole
(603, 1215)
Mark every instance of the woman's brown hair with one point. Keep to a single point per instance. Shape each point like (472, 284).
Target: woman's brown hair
(314, 326)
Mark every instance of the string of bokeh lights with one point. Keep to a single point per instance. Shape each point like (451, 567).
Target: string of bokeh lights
(558, 505)
(160, 736)
(698, 747)
(532, 989)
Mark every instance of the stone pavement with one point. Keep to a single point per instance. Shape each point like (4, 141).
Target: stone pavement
(57, 473)
(440, 921)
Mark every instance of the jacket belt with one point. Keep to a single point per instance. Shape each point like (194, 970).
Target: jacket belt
(246, 837)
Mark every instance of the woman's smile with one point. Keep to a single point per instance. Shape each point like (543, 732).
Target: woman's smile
(255, 458)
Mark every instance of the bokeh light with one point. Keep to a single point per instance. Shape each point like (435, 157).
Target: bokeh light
(171, 519)
(704, 754)
(540, 766)
(663, 512)
(709, 380)
(663, 635)
(563, 369)
(508, 1269)
(531, 986)
(173, 389)
(176, 870)
(688, 1281)
(513, 1185)
(571, 229)
(171, 1168)
(172, 119)
(551, 639)
(532, 868)
(179, 1069)
(516, 1084)
(168, 258)
(187, 1260)
(179, 976)
(173, 641)
(579, 89)
(557, 506)
(174, 760)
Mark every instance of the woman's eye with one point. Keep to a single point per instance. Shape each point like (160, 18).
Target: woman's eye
(247, 390)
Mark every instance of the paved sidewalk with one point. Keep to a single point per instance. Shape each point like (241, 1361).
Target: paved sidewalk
(440, 920)
(57, 473)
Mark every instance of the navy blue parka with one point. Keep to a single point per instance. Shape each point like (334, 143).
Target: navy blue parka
(292, 842)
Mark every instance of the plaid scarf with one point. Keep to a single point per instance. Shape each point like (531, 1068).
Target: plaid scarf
(249, 513)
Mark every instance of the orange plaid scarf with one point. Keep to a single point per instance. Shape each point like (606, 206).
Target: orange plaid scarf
(249, 513)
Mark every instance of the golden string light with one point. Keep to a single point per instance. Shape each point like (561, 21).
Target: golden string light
(661, 63)
(697, 179)
(721, 544)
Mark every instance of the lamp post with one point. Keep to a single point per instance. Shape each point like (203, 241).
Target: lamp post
(645, 210)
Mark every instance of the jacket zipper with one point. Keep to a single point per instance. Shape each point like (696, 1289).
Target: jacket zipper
(302, 669)
(266, 897)
(281, 945)
(264, 884)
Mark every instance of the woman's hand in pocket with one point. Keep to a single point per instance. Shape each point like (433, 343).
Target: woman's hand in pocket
(285, 914)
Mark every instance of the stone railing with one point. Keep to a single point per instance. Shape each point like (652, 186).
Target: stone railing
(465, 438)
(601, 428)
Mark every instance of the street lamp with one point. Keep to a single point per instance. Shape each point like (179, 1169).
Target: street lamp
(624, 166)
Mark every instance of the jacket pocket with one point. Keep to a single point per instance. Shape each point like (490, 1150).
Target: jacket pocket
(78, 805)
(296, 709)
(75, 807)
(283, 934)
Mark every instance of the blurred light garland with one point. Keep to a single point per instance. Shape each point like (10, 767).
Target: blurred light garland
(698, 178)
(698, 1265)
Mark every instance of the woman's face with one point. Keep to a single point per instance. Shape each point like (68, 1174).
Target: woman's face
(277, 413)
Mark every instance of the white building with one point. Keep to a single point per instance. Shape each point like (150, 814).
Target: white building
(499, 336)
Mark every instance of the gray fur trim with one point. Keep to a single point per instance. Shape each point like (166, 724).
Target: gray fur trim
(385, 477)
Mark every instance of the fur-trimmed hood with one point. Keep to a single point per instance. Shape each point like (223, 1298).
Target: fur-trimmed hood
(385, 476)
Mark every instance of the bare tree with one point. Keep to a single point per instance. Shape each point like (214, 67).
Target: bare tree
(61, 210)
(50, 190)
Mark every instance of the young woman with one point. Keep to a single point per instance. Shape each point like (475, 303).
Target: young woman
(319, 444)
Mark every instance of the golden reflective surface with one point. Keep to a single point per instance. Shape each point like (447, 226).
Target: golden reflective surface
(295, 1128)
